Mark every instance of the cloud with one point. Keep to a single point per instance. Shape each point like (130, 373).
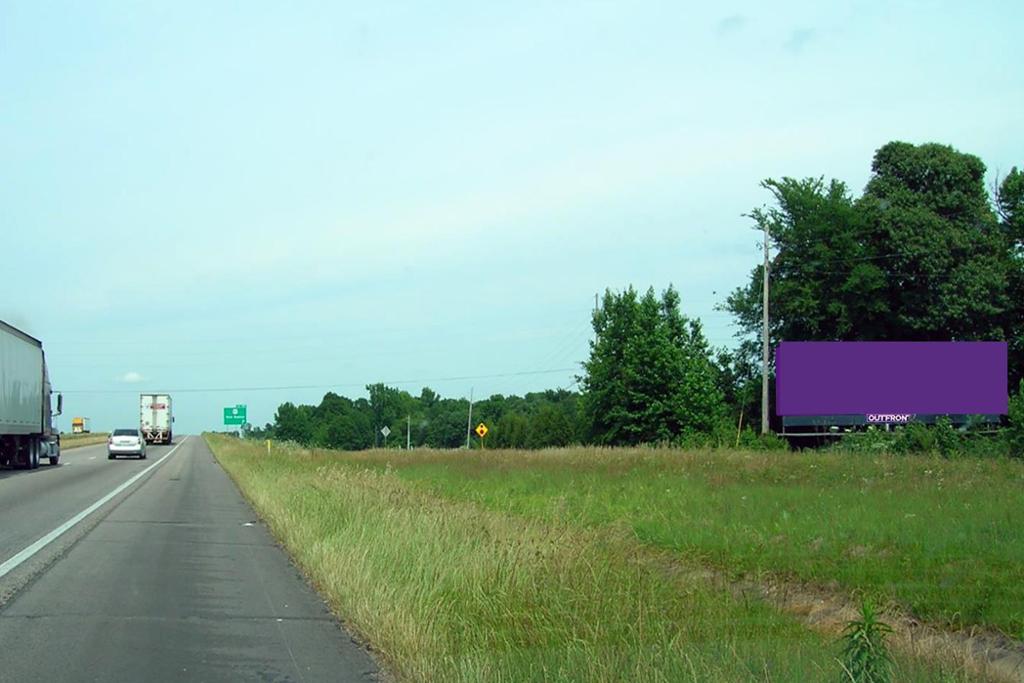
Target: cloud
(131, 377)
(730, 24)
(799, 39)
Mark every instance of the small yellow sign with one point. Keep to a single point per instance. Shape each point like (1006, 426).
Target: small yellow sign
(481, 430)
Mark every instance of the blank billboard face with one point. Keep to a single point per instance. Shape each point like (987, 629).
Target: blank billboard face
(871, 378)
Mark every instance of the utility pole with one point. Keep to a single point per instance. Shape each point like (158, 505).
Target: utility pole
(764, 337)
(408, 431)
(469, 422)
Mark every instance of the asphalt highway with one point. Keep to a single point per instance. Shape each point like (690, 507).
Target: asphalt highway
(173, 578)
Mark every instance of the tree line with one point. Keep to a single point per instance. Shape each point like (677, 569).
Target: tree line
(536, 420)
(926, 253)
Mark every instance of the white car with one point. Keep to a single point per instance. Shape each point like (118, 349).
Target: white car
(126, 442)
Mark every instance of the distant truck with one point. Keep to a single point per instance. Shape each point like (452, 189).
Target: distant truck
(156, 420)
(79, 425)
(27, 434)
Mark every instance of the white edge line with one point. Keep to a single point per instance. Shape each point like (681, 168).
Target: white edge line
(14, 562)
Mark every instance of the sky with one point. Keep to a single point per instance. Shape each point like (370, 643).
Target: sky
(223, 199)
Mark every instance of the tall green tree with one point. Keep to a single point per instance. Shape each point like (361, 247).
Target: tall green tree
(648, 377)
(511, 431)
(550, 428)
(699, 402)
(447, 423)
(349, 431)
(920, 256)
(389, 407)
(293, 423)
(927, 209)
(1010, 207)
(824, 282)
(738, 379)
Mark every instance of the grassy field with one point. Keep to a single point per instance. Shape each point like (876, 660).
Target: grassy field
(942, 538)
(561, 565)
(75, 440)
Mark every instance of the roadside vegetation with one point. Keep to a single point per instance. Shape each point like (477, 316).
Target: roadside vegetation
(612, 530)
(927, 252)
(76, 440)
(943, 539)
(604, 565)
(943, 439)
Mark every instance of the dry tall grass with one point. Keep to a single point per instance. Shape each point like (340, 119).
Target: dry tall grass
(77, 440)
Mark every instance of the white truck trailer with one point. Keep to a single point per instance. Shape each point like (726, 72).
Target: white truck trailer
(27, 434)
(156, 421)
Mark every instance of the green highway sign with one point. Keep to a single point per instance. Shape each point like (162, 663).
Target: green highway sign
(235, 415)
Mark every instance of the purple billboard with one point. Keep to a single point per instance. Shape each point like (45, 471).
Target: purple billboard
(891, 381)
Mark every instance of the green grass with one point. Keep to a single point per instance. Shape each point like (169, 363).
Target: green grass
(455, 568)
(944, 539)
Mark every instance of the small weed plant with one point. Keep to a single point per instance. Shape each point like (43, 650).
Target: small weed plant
(865, 657)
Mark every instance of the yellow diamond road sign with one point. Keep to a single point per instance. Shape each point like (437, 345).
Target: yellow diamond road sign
(481, 430)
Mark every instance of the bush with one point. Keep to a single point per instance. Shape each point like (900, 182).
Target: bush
(694, 440)
(1014, 434)
(948, 441)
(920, 439)
(871, 441)
(751, 440)
(550, 428)
(914, 438)
(987, 445)
(723, 435)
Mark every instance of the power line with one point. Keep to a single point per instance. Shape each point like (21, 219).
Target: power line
(567, 350)
(940, 277)
(253, 344)
(337, 385)
(571, 385)
(864, 232)
(792, 265)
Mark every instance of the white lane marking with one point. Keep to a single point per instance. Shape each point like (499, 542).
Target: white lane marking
(13, 563)
(92, 457)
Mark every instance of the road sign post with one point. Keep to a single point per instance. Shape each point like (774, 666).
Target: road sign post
(385, 431)
(481, 431)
